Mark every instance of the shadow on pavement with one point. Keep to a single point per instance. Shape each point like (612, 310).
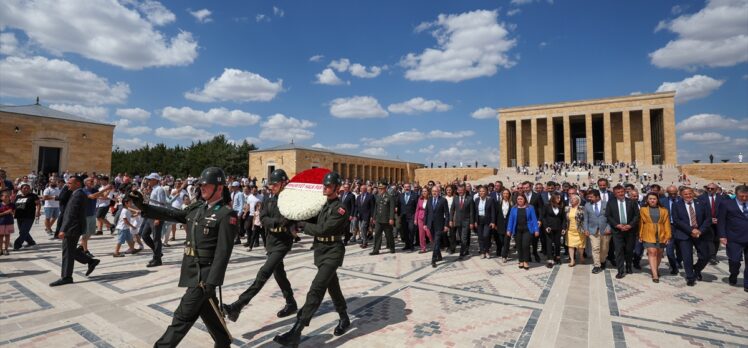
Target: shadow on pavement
(22, 273)
(111, 277)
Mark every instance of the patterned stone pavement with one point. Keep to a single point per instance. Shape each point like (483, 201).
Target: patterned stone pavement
(394, 300)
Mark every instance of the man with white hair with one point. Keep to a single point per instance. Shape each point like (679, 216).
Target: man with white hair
(153, 227)
(237, 204)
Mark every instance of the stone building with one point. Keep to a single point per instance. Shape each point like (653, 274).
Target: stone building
(294, 159)
(37, 138)
(638, 128)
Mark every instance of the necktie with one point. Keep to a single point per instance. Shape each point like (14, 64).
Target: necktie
(691, 212)
(433, 204)
(461, 200)
(714, 215)
(622, 211)
(597, 208)
(407, 197)
(745, 209)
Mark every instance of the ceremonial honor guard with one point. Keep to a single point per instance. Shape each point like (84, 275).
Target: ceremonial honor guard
(211, 229)
(384, 219)
(278, 242)
(328, 231)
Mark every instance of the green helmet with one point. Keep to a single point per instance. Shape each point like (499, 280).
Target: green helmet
(277, 175)
(212, 175)
(332, 178)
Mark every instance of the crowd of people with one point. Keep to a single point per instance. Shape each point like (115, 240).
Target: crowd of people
(563, 222)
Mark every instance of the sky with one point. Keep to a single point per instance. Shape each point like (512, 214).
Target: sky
(410, 80)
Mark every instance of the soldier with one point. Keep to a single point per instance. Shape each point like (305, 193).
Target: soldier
(211, 229)
(328, 232)
(278, 242)
(384, 219)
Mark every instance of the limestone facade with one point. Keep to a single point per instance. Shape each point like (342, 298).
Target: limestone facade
(638, 128)
(83, 146)
(718, 172)
(294, 159)
(447, 175)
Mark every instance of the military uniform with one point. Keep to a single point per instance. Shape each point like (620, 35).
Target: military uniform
(384, 212)
(211, 229)
(328, 231)
(278, 241)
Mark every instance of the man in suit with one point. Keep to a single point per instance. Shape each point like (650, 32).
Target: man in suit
(550, 187)
(534, 199)
(348, 200)
(671, 250)
(463, 219)
(364, 208)
(606, 195)
(408, 200)
(712, 198)
(595, 226)
(437, 221)
(384, 219)
(732, 226)
(691, 222)
(623, 216)
(72, 228)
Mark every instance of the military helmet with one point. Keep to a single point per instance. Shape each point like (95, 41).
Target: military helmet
(277, 175)
(212, 175)
(332, 178)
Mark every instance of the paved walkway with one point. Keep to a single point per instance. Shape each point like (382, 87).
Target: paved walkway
(395, 301)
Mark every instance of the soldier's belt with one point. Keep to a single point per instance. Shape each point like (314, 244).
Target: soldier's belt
(329, 239)
(189, 251)
(278, 229)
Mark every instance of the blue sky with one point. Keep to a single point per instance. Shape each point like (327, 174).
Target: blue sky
(405, 79)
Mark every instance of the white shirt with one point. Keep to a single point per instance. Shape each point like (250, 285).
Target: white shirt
(158, 196)
(104, 201)
(49, 191)
(482, 207)
(176, 201)
(688, 210)
(622, 207)
(504, 207)
(126, 214)
(449, 203)
(252, 201)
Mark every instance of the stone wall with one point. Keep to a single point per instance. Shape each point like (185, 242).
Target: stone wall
(445, 175)
(19, 152)
(723, 172)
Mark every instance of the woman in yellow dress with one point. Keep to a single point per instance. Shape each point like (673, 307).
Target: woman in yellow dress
(575, 239)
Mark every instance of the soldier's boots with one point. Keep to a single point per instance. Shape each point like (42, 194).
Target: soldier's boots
(288, 309)
(232, 310)
(343, 324)
(292, 337)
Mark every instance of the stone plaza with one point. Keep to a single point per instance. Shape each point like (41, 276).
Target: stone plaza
(395, 300)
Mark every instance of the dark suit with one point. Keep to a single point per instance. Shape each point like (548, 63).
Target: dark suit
(733, 225)
(348, 200)
(537, 203)
(74, 225)
(364, 209)
(501, 223)
(483, 222)
(713, 204)
(682, 235)
(407, 214)
(623, 241)
(555, 221)
(437, 217)
(63, 198)
(463, 215)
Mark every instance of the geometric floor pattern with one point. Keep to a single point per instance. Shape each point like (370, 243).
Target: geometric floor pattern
(394, 300)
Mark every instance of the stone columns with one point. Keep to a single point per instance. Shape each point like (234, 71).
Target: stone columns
(534, 144)
(550, 150)
(668, 123)
(607, 138)
(567, 139)
(626, 114)
(520, 151)
(588, 135)
(503, 145)
(647, 134)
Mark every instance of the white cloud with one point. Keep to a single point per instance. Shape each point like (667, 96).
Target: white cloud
(280, 127)
(261, 17)
(155, 12)
(319, 146)
(470, 45)
(701, 122)
(127, 144)
(374, 151)
(202, 15)
(218, 116)
(96, 113)
(55, 80)
(184, 132)
(399, 138)
(427, 149)
(706, 137)
(9, 44)
(513, 12)
(250, 140)
(340, 65)
(134, 114)
(125, 126)
(455, 154)
(103, 30)
(716, 36)
(440, 134)
(485, 113)
(316, 58)
(525, 2)
(278, 12)
(418, 105)
(344, 146)
(355, 69)
(361, 71)
(236, 85)
(694, 87)
(328, 77)
(357, 107)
